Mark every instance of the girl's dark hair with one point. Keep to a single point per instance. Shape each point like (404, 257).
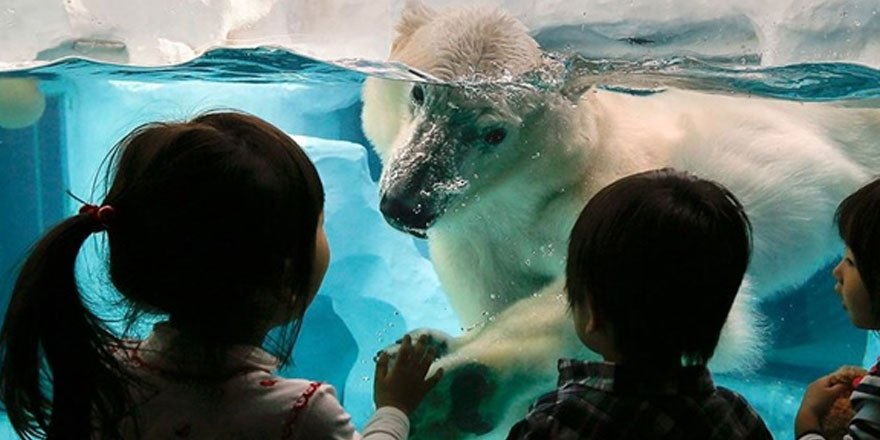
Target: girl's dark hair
(214, 224)
(858, 221)
(660, 255)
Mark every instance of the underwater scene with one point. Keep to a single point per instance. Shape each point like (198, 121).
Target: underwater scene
(451, 188)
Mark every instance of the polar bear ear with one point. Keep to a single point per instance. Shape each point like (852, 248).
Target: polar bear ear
(577, 81)
(575, 87)
(415, 15)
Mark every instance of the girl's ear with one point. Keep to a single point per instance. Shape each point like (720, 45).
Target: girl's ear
(278, 303)
(286, 276)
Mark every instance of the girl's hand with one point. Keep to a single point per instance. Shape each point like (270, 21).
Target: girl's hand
(818, 398)
(405, 385)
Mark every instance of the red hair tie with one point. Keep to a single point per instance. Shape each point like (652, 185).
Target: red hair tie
(101, 215)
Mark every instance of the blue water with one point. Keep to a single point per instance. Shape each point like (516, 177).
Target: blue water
(381, 283)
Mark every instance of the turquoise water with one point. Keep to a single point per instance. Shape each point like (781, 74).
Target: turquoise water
(381, 283)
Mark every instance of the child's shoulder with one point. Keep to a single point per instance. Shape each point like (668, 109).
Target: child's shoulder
(269, 386)
(305, 406)
(730, 396)
(736, 403)
(301, 405)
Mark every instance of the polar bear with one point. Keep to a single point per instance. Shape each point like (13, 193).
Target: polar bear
(494, 169)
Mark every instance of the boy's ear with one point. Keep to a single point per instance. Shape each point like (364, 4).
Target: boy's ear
(594, 322)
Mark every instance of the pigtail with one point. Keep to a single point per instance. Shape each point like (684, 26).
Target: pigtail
(50, 336)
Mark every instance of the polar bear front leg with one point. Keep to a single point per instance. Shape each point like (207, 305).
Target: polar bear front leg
(492, 376)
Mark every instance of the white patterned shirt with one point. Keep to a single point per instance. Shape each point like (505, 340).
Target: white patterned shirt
(242, 400)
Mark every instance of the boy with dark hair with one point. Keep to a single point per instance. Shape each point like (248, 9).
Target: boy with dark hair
(654, 264)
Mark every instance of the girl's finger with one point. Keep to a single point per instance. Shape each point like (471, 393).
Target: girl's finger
(382, 367)
(405, 349)
(838, 388)
(429, 357)
(420, 346)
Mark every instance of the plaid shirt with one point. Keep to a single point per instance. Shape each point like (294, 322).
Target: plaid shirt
(608, 402)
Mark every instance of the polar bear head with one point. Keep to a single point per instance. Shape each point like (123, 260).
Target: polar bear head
(444, 143)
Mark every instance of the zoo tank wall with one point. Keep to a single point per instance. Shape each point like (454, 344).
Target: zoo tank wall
(381, 283)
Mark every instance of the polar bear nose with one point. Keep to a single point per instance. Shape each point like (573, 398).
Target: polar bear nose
(409, 216)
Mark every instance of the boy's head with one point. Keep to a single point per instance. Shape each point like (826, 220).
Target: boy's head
(654, 263)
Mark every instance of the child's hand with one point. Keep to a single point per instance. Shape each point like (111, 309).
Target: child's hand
(405, 385)
(818, 398)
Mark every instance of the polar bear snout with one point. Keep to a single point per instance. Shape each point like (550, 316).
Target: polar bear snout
(422, 176)
(407, 215)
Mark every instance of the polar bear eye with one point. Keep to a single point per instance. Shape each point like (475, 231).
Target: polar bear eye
(495, 136)
(418, 95)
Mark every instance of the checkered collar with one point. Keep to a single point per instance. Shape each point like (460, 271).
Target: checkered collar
(620, 379)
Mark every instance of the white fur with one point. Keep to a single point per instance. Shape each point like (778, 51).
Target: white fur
(505, 235)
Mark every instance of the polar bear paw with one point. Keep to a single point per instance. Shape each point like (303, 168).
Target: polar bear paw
(457, 407)
(440, 341)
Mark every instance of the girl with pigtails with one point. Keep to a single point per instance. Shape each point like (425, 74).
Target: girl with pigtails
(216, 225)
